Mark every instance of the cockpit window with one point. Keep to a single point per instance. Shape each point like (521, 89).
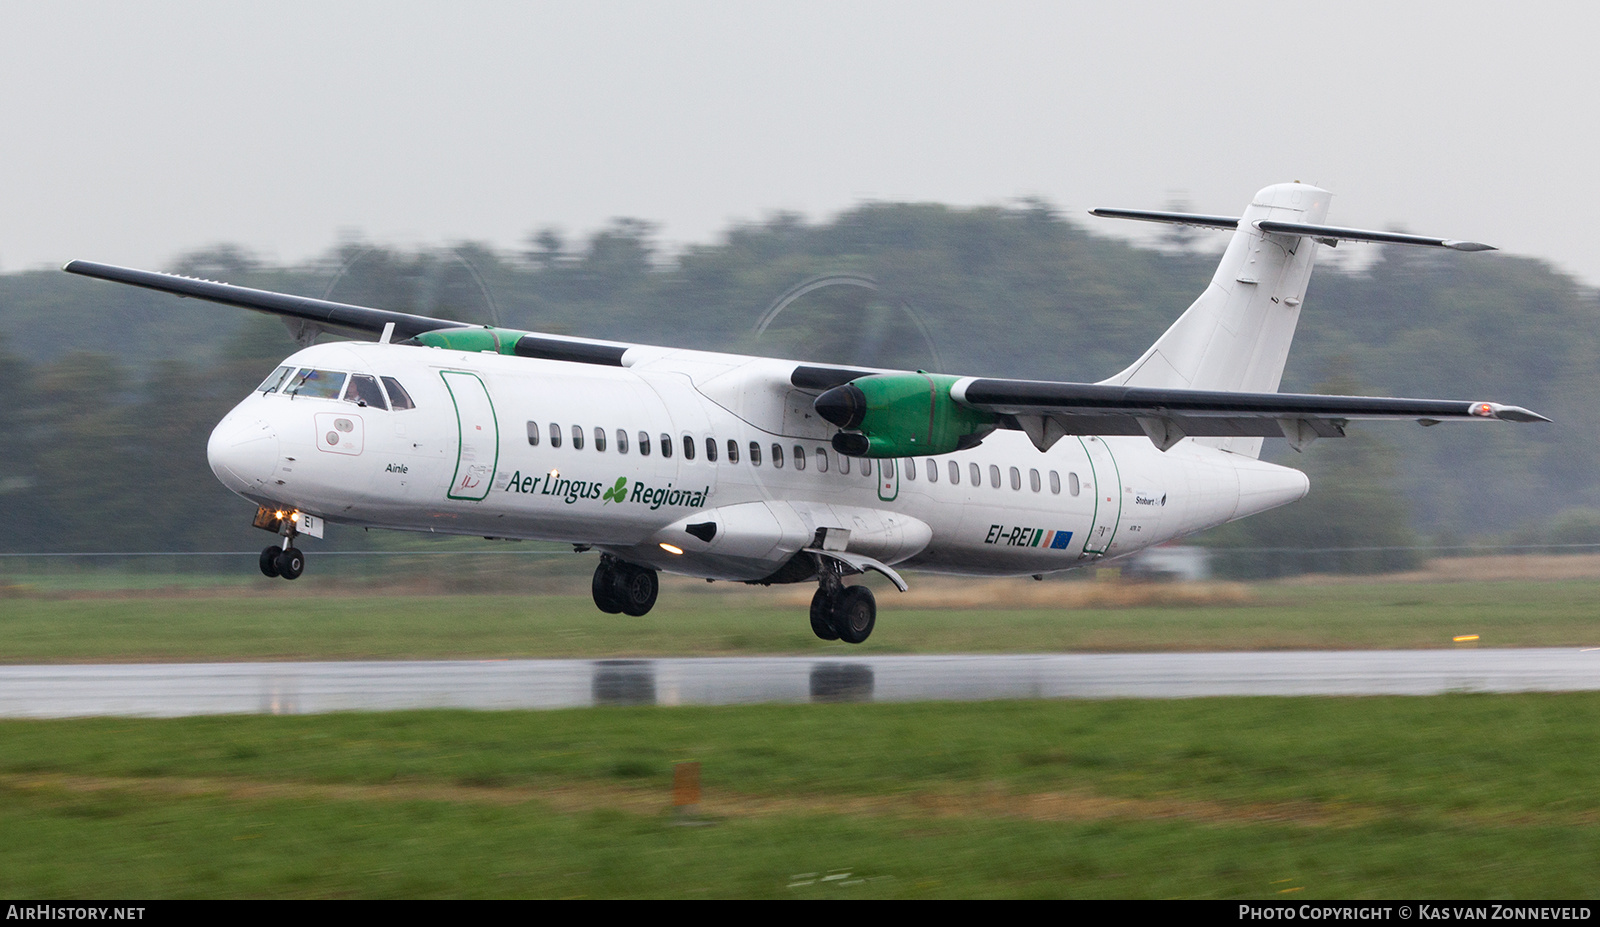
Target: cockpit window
(398, 395)
(363, 390)
(319, 384)
(274, 379)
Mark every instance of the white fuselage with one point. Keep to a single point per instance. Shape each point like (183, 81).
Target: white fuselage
(476, 456)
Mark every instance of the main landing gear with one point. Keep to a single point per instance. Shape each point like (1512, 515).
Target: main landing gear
(623, 587)
(840, 612)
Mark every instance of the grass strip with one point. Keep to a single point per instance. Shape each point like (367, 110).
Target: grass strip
(346, 625)
(1451, 796)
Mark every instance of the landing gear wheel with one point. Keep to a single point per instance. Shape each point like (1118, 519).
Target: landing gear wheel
(635, 589)
(290, 563)
(855, 614)
(269, 561)
(822, 605)
(600, 588)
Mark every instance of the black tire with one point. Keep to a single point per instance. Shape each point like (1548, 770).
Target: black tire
(822, 616)
(636, 589)
(855, 614)
(291, 563)
(601, 589)
(269, 561)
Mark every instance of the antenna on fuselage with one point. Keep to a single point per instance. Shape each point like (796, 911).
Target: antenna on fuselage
(388, 332)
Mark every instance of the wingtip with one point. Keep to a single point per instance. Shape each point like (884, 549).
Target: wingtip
(1517, 414)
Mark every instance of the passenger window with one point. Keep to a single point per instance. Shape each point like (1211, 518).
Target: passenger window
(1055, 483)
(822, 460)
(555, 435)
(799, 457)
(666, 445)
(955, 473)
(711, 450)
(533, 434)
(688, 447)
(622, 441)
(644, 444)
(1072, 483)
(1033, 480)
(910, 466)
(1016, 479)
(274, 380)
(975, 474)
(577, 437)
(733, 451)
(755, 453)
(599, 438)
(363, 391)
(777, 456)
(399, 399)
(994, 476)
(866, 466)
(317, 384)
(933, 470)
(844, 464)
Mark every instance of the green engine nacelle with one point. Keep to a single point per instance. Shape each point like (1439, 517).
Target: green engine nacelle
(475, 339)
(901, 415)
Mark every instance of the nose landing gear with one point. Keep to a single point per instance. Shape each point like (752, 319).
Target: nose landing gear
(288, 563)
(283, 558)
(622, 587)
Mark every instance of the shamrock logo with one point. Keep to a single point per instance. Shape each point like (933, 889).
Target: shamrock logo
(617, 492)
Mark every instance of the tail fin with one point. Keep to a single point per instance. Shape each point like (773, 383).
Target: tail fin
(1236, 335)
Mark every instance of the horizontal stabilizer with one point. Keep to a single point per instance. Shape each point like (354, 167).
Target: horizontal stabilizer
(1173, 218)
(318, 312)
(1328, 234)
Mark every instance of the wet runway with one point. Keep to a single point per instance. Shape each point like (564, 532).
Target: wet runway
(176, 689)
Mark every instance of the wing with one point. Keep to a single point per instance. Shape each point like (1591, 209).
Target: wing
(307, 317)
(892, 413)
(901, 414)
(313, 314)
(1046, 411)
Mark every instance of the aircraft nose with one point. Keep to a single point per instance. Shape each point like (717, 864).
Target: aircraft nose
(243, 454)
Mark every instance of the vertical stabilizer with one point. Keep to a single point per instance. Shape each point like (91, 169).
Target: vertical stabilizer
(1236, 336)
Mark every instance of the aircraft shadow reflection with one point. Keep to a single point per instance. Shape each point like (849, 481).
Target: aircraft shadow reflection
(633, 682)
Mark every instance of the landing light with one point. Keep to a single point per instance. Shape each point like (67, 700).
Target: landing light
(670, 549)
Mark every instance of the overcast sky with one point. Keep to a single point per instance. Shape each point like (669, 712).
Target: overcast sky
(133, 132)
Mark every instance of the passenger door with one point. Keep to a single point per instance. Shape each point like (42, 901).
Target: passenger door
(479, 448)
(1106, 485)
